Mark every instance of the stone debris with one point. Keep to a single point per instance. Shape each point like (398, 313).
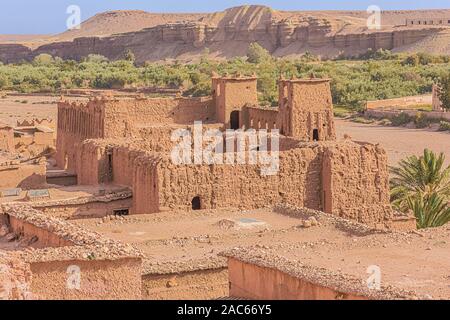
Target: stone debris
(81, 244)
(323, 277)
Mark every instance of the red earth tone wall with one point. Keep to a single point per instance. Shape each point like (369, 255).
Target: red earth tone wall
(243, 186)
(232, 94)
(196, 285)
(327, 176)
(307, 106)
(15, 277)
(356, 182)
(44, 138)
(77, 122)
(123, 118)
(108, 269)
(253, 282)
(100, 280)
(146, 184)
(45, 238)
(87, 210)
(92, 163)
(261, 118)
(114, 118)
(6, 138)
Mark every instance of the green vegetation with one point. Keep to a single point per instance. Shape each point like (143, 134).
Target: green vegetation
(422, 185)
(421, 121)
(419, 107)
(362, 120)
(376, 75)
(444, 126)
(342, 111)
(444, 94)
(401, 119)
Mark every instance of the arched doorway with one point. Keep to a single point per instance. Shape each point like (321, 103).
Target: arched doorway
(234, 120)
(196, 203)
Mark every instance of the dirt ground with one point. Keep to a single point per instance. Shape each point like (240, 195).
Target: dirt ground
(20, 107)
(178, 241)
(399, 142)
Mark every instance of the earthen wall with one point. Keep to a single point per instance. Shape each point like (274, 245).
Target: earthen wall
(261, 118)
(44, 238)
(77, 122)
(240, 186)
(232, 94)
(253, 282)
(356, 183)
(310, 108)
(15, 277)
(6, 139)
(118, 279)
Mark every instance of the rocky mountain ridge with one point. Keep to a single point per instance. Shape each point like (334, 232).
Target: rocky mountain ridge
(227, 34)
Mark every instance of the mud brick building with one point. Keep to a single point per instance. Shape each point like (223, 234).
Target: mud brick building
(127, 142)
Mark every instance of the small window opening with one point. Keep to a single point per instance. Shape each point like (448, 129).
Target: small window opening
(121, 212)
(315, 135)
(196, 203)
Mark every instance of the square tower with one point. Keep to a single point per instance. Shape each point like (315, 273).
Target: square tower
(306, 109)
(231, 95)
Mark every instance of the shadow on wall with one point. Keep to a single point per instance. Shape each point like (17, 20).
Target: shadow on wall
(35, 181)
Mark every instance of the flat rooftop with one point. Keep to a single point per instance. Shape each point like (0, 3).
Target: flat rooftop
(66, 195)
(175, 242)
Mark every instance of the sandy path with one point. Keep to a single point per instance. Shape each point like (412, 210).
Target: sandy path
(399, 142)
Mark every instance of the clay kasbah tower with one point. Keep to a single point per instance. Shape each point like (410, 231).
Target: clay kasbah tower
(246, 155)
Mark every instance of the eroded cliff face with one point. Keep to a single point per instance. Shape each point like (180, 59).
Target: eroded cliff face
(228, 34)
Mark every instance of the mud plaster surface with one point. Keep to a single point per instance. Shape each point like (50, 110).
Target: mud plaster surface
(180, 242)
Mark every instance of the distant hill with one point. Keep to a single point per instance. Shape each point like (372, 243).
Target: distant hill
(226, 34)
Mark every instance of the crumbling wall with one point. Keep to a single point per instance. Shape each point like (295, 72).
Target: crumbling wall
(92, 163)
(435, 99)
(309, 111)
(124, 118)
(232, 94)
(91, 209)
(118, 279)
(261, 118)
(242, 186)
(6, 138)
(77, 263)
(197, 285)
(76, 123)
(159, 138)
(44, 138)
(15, 277)
(356, 182)
(146, 184)
(44, 238)
(123, 165)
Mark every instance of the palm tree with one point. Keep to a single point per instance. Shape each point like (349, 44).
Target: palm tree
(419, 175)
(430, 212)
(422, 185)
